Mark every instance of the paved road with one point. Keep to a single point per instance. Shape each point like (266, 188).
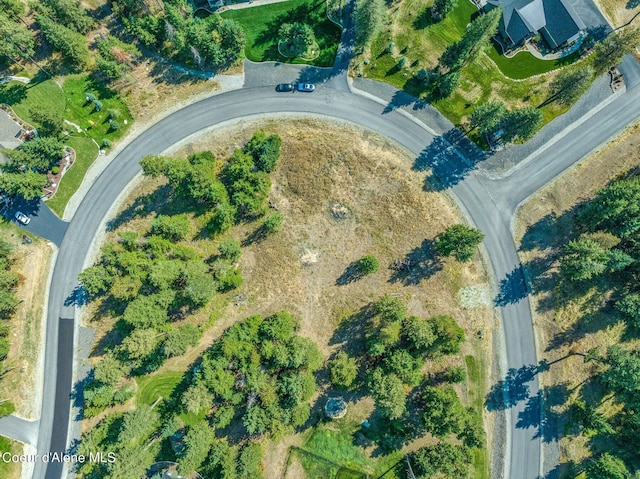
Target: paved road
(20, 429)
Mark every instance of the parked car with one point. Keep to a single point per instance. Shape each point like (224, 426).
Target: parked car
(306, 87)
(284, 87)
(22, 218)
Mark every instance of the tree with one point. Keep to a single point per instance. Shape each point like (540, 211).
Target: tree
(343, 370)
(71, 44)
(272, 224)
(173, 228)
(448, 334)
(180, 339)
(405, 366)
(139, 424)
(388, 393)
(145, 312)
(441, 8)
(629, 307)
(27, 185)
(197, 444)
(616, 209)
(154, 165)
(230, 250)
(12, 8)
(296, 39)
(443, 412)
(368, 264)
(569, 85)
(607, 466)
(447, 84)
(41, 154)
(418, 333)
(488, 116)
(390, 309)
(623, 374)
(472, 433)
(609, 51)
(69, 13)
(585, 258)
(140, 343)
(196, 398)
(265, 150)
(109, 370)
(521, 124)
(369, 17)
(50, 122)
(459, 241)
(250, 461)
(445, 458)
(17, 42)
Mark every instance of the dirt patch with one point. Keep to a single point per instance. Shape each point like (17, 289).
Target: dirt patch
(542, 223)
(32, 265)
(619, 12)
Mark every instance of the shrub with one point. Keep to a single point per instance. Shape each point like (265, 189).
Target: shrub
(97, 104)
(55, 170)
(105, 143)
(113, 125)
(113, 114)
(368, 264)
(273, 223)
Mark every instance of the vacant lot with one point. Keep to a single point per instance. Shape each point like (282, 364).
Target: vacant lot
(619, 12)
(544, 224)
(32, 265)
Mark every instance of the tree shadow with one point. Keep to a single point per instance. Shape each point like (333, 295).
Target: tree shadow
(351, 332)
(424, 20)
(420, 263)
(141, 207)
(402, 99)
(78, 297)
(351, 274)
(450, 157)
(513, 288)
(12, 93)
(541, 412)
(512, 389)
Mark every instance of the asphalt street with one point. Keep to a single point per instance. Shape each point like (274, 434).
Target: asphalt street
(490, 205)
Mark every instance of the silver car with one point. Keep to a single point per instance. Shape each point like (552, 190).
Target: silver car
(22, 218)
(306, 87)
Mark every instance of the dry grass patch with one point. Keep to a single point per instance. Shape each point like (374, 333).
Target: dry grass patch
(617, 12)
(544, 221)
(33, 262)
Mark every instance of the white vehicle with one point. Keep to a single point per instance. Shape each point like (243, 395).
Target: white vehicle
(22, 218)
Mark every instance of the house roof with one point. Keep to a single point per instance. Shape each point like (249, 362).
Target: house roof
(556, 18)
(9, 132)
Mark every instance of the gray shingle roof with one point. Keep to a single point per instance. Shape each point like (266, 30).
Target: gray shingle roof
(556, 20)
(9, 132)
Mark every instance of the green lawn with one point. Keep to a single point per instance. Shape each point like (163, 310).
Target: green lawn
(261, 25)
(153, 386)
(335, 441)
(9, 469)
(70, 101)
(476, 389)
(86, 152)
(524, 64)
(488, 77)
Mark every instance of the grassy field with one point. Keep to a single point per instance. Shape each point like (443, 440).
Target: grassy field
(477, 388)
(488, 77)
(261, 25)
(86, 152)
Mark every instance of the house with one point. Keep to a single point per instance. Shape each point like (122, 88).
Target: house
(10, 132)
(555, 20)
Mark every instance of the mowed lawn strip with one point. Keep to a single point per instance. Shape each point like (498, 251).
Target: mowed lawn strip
(524, 64)
(86, 152)
(261, 26)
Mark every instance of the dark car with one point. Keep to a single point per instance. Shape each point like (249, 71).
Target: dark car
(306, 87)
(284, 87)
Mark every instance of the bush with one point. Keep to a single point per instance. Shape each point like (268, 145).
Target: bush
(113, 114)
(97, 105)
(368, 264)
(6, 408)
(230, 250)
(343, 370)
(105, 143)
(273, 223)
(455, 374)
(113, 125)
(55, 170)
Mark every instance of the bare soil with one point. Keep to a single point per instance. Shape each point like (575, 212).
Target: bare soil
(543, 224)
(343, 193)
(32, 264)
(619, 12)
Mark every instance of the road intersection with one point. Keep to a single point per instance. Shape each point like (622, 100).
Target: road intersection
(489, 203)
